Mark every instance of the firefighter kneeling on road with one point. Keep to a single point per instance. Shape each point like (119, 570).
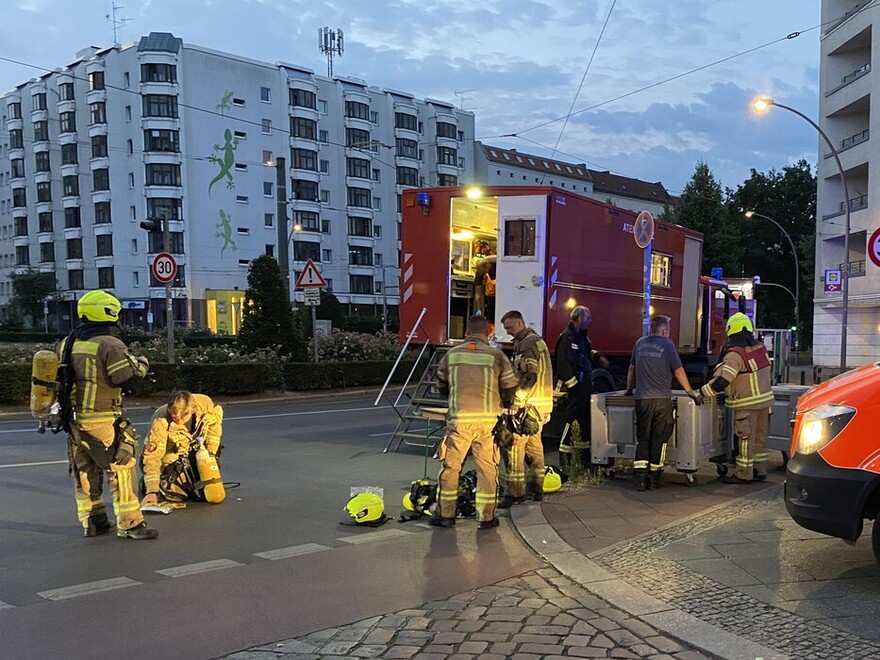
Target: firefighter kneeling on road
(179, 462)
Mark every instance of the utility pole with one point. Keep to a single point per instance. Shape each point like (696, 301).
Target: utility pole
(384, 303)
(169, 304)
(281, 212)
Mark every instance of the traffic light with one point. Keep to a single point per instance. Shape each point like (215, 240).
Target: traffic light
(793, 327)
(152, 225)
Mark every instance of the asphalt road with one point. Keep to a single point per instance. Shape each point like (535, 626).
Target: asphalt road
(270, 562)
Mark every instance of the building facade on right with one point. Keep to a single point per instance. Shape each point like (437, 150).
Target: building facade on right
(846, 88)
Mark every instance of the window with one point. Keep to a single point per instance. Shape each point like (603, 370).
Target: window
(375, 175)
(44, 221)
(265, 94)
(357, 110)
(325, 226)
(360, 226)
(21, 227)
(304, 159)
(377, 204)
(242, 199)
(101, 179)
(19, 198)
(160, 140)
(269, 219)
(163, 174)
(407, 148)
(102, 213)
(323, 137)
(307, 220)
(305, 190)
(160, 105)
(22, 255)
(267, 159)
(241, 167)
(240, 135)
(104, 245)
(98, 113)
(324, 166)
(359, 197)
(41, 131)
(238, 102)
(133, 212)
(66, 92)
(303, 99)
(304, 250)
(70, 185)
(44, 191)
(105, 278)
(377, 231)
(67, 121)
(158, 207)
(75, 279)
(374, 117)
(96, 80)
(377, 259)
(39, 101)
(322, 107)
(360, 283)
(135, 279)
(267, 189)
(16, 139)
(270, 250)
(126, 80)
(407, 176)
(267, 126)
(127, 113)
(17, 168)
(72, 217)
(130, 146)
(74, 248)
(99, 146)
(406, 121)
(519, 237)
(446, 130)
(661, 269)
(303, 128)
(69, 154)
(327, 256)
(42, 161)
(165, 73)
(357, 138)
(325, 196)
(157, 243)
(357, 167)
(447, 180)
(131, 179)
(447, 156)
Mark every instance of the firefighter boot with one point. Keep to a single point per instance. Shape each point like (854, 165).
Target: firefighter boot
(138, 532)
(439, 521)
(641, 480)
(654, 482)
(509, 500)
(98, 525)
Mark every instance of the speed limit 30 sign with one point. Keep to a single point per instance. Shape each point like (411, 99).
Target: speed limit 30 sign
(164, 267)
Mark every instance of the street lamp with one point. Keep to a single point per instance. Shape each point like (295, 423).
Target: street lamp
(760, 106)
(797, 275)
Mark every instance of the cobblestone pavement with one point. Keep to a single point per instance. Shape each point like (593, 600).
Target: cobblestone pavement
(661, 564)
(540, 614)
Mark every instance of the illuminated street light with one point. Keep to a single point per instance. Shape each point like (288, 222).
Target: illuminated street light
(797, 274)
(760, 106)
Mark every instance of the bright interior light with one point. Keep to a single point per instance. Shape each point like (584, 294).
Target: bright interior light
(473, 193)
(761, 105)
(462, 235)
(570, 303)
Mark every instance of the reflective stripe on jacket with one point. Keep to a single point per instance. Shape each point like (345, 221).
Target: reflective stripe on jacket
(531, 356)
(747, 370)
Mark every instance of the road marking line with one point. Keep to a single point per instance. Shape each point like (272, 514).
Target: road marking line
(5, 606)
(200, 567)
(293, 551)
(306, 412)
(373, 536)
(17, 465)
(87, 588)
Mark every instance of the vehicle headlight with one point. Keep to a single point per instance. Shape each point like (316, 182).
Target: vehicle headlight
(821, 425)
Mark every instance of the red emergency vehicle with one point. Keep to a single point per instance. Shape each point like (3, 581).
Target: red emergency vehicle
(553, 249)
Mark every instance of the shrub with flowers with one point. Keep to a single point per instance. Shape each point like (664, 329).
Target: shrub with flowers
(343, 346)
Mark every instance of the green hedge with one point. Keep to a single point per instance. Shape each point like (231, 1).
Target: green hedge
(15, 383)
(300, 376)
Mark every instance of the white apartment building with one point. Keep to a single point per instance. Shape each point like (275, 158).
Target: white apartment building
(167, 129)
(848, 114)
(508, 167)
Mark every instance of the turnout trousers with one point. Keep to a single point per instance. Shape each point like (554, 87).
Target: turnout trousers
(476, 438)
(89, 457)
(574, 455)
(751, 433)
(655, 422)
(525, 450)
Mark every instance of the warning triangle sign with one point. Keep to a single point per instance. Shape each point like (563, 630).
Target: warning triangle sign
(310, 277)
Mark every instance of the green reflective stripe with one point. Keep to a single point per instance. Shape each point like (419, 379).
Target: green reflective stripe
(640, 465)
(479, 417)
(484, 498)
(708, 392)
(90, 390)
(750, 401)
(471, 358)
(118, 366)
(728, 372)
(663, 454)
(91, 417)
(85, 347)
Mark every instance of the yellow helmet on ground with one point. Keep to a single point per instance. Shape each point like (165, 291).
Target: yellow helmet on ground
(739, 322)
(365, 509)
(421, 496)
(552, 479)
(98, 307)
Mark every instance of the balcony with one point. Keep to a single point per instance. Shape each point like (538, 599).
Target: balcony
(856, 204)
(852, 140)
(855, 9)
(850, 78)
(856, 268)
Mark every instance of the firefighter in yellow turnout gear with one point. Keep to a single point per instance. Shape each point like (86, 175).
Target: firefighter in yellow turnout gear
(170, 446)
(744, 371)
(95, 366)
(533, 401)
(477, 378)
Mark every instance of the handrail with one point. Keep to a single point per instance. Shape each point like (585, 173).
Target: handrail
(409, 337)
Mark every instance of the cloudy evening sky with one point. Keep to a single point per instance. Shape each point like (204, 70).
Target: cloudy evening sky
(517, 64)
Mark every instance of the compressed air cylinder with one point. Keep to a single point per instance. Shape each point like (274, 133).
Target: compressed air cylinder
(43, 391)
(209, 472)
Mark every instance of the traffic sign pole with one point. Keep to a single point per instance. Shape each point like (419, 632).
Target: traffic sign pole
(643, 233)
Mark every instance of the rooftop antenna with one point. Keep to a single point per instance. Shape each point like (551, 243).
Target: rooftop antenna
(117, 22)
(329, 42)
(461, 97)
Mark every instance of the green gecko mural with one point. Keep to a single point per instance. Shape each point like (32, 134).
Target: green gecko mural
(225, 227)
(226, 162)
(224, 102)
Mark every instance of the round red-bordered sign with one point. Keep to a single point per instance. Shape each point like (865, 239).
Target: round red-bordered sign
(874, 247)
(164, 267)
(643, 229)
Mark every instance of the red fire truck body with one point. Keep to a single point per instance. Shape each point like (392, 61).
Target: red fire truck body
(553, 249)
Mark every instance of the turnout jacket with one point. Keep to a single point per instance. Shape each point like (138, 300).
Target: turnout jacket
(169, 441)
(745, 372)
(531, 363)
(477, 378)
(101, 364)
(573, 357)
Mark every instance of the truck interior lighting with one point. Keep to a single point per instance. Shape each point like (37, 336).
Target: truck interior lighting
(473, 193)
(570, 303)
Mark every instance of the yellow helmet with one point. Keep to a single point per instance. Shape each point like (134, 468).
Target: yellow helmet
(365, 509)
(739, 322)
(98, 307)
(552, 480)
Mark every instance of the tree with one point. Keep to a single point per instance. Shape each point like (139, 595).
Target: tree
(267, 319)
(30, 289)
